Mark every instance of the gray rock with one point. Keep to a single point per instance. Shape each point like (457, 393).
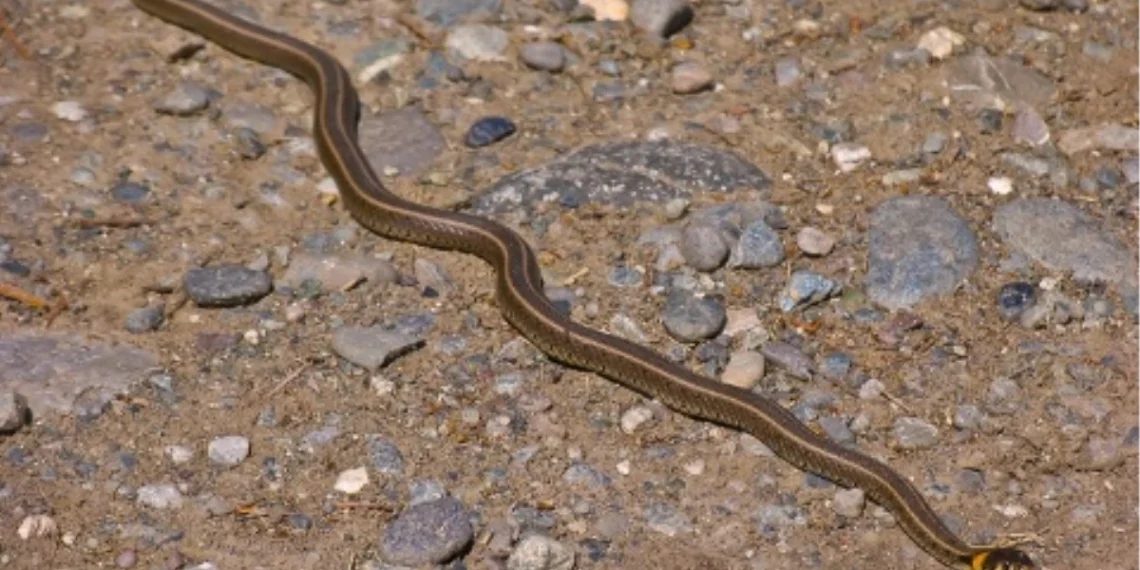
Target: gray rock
(1062, 237)
(918, 247)
(538, 552)
(331, 273)
(849, 502)
(1031, 165)
(227, 285)
(789, 358)
(666, 519)
(689, 318)
(806, 288)
(983, 82)
(449, 12)
(429, 274)
(622, 173)
(585, 475)
(478, 42)
(404, 140)
(1101, 454)
(968, 417)
(426, 491)
(145, 319)
(702, 247)
(428, 533)
(52, 370)
(372, 347)
(14, 412)
(1029, 127)
(688, 77)
(385, 455)
(759, 246)
(161, 496)
(837, 429)
(543, 55)
(228, 451)
(662, 18)
(744, 369)
(914, 433)
(1101, 137)
(186, 99)
(814, 242)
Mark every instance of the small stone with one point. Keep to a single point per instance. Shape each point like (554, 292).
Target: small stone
(1101, 454)
(1000, 185)
(126, 559)
(70, 111)
(790, 358)
(837, 429)
(145, 319)
(914, 433)
(14, 412)
(702, 247)
(807, 288)
(162, 496)
(788, 72)
(689, 318)
(185, 100)
(835, 365)
(544, 56)
(634, 418)
(351, 481)
(1029, 127)
(37, 526)
(849, 502)
(940, 42)
(968, 417)
(935, 143)
(228, 451)
(130, 192)
(849, 156)
(427, 533)
(688, 78)
(537, 552)
(759, 247)
(661, 18)
(372, 347)
(990, 120)
(744, 369)
(228, 285)
(478, 42)
(666, 520)
(1014, 298)
(488, 130)
(814, 241)
(179, 454)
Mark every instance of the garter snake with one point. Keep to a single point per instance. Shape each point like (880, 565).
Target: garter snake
(519, 292)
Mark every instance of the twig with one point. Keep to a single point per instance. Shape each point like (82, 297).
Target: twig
(17, 294)
(6, 31)
(88, 223)
(288, 378)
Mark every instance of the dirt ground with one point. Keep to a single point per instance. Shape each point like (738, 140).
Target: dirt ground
(111, 59)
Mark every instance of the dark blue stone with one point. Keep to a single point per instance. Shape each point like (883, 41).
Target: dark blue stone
(1014, 298)
(488, 130)
(132, 192)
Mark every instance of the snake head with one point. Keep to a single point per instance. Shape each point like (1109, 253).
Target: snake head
(1002, 559)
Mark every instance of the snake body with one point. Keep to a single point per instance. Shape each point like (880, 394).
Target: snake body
(520, 295)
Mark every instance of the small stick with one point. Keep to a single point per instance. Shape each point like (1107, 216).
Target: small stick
(6, 31)
(88, 223)
(17, 294)
(287, 379)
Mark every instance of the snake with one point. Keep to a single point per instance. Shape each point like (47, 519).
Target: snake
(520, 296)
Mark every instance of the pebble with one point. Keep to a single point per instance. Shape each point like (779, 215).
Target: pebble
(430, 275)
(835, 365)
(538, 552)
(914, 433)
(744, 369)
(1062, 237)
(130, 192)
(837, 429)
(634, 418)
(70, 111)
(228, 285)
(689, 318)
(849, 502)
(351, 481)
(806, 288)
(702, 247)
(332, 273)
(372, 348)
(814, 242)
(37, 526)
(665, 519)
(940, 42)
(478, 42)
(447, 13)
(488, 130)
(1000, 185)
(228, 451)
(661, 18)
(126, 559)
(145, 319)
(1029, 127)
(849, 156)
(1101, 137)
(188, 98)
(790, 358)
(581, 474)
(1014, 298)
(160, 496)
(688, 78)
(1101, 454)
(788, 72)
(759, 246)
(427, 533)
(14, 412)
(179, 454)
(918, 247)
(543, 55)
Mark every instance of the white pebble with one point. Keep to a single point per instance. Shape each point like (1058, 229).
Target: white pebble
(848, 156)
(695, 467)
(1000, 185)
(635, 418)
(351, 481)
(940, 42)
(179, 453)
(69, 111)
(624, 467)
(37, 526)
